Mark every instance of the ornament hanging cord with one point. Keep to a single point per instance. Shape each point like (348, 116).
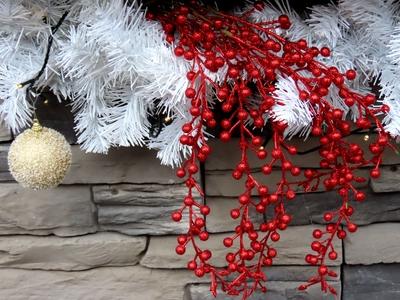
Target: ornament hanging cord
(31, 82)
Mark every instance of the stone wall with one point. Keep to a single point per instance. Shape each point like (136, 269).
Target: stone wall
(106, 233)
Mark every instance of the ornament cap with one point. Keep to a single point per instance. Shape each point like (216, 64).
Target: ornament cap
(36, 127)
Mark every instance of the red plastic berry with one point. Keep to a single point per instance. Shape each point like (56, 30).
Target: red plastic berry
(180, 249)
(325, 51)
(228, 242)
(176, 216)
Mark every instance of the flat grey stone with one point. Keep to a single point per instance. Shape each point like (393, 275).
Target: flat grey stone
(295, 273)
(140, 194)
(72, 253)
(63, 211)
(276, 290)
(373, 244)
(108, 283)
(375, 282)
(231, 153)
(219, 219)
(139, 220)
(5, 133)
(221, 183)
(389, 181)
(292, 248)
(123, 165)
(137, 209)
(5, 174)
(309, 208)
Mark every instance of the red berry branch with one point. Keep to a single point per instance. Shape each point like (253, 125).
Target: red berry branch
(240, 61)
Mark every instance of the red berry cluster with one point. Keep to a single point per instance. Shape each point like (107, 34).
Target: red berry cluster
(248, 57)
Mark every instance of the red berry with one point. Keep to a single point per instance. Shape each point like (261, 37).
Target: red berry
(245, 92)
(189, 55)
(179, 51)
(181, 239)
(190, 75)
(262, 190)
(205, 255)
(218, 24)
(222, 94)
(193, 168)
(349, 101)
(360, 196)
(295, 171)
(257, 141)
(225, 136)
(176, 216)
(188, 201)
(180, 173)
(352, 227)
(228, 242)
(261, 154)
(233, 72)
(205, 210)
(351, 74)
(284, 21)
(375, 173)
(275, 236)
(242, 114)
(316, 246)
(260, 208)
(341, 234)
(180, 249)
(286, 165)
(332, 255)
(290, 194)
(273, 198)
(369, 99)
(271, 252)
(317, 233)
(322, 270)
(190, 93)
(266, 169)
(325, 51)
(168, 28)
(181, 19)
(199, 222)
(276, 153)
(235, 213)
(192, 265)
(203, 236)
(199, 272)
(328, 217)
(286, 218)
(244, 199)
(230, 54)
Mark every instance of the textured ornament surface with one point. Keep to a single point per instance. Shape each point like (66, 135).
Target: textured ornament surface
(39, 159)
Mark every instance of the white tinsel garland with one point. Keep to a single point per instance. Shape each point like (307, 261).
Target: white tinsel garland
(116, 68)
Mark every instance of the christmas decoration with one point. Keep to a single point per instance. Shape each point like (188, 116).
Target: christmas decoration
(39, 157)
(260, 73)
(260, 76)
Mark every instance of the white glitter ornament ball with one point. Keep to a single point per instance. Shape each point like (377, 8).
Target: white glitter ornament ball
(39, 157)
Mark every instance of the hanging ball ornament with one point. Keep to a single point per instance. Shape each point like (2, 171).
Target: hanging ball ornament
(39, 157)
